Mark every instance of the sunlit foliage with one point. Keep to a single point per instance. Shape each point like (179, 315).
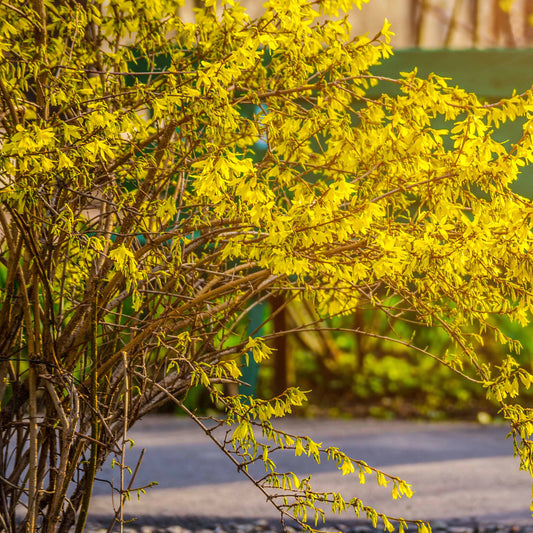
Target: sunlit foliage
(159, 178)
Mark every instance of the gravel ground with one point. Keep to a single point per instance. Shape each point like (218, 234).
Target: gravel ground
(264, 526)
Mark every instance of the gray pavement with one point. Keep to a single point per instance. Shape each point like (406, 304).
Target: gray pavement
(457, 470)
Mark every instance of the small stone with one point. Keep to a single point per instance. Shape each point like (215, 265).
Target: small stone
(460, 529)
(243, 528)
(177, 529)
(487, 528)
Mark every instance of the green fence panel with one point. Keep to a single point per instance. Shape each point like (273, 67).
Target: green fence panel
(491, 74)
(488, 73)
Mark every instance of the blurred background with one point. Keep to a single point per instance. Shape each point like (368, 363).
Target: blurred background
(484, 47)
(431, 24)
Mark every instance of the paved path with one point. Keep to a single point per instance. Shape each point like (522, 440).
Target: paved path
(457, 470)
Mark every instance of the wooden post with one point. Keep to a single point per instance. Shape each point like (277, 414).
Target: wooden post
(280, 345)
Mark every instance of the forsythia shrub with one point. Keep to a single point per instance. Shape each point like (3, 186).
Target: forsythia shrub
(160, 178)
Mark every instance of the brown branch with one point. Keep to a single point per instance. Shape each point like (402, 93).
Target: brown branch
(41, 43)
